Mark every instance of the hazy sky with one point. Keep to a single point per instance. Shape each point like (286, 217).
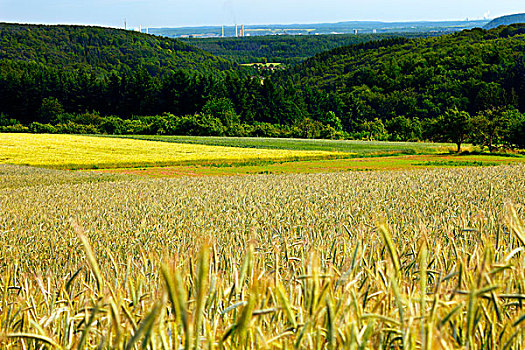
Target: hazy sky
(176, 13)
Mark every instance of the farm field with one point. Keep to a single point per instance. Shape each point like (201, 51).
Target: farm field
(86, 152)
(174, 156)
(16, 176)
(427, 258)
(133, 242)
(358, 148)
(324, 166)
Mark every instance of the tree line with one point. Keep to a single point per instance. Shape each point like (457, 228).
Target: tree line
(232, 103)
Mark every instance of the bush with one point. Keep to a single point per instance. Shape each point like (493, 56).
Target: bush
(373, 130)
(135, 127)
(402, 128)
(88, 118)
(308, 129)
(204, 125)
(39, 128)
(74, 128)
(224, 110)
(266, 130)
(14, 128)
(112, 125)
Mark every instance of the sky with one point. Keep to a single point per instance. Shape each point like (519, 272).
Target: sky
(179, 13)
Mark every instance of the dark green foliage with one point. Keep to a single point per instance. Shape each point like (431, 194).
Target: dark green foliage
(5, 121)
(402, 128)
(490, 126)
(373, 130)
(287, 49)
(102, 50)
(198, 124)
(224, 110)
(472, 70)
(455, 126)
(50, 108)
(403, 81)
(516, 133)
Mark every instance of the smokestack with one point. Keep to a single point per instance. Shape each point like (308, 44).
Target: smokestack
(242, 30)
(222, 34)
(236, 31)
(125, 24)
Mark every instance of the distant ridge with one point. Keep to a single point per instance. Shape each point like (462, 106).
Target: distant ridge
(506, 20)
(348, 27)
(102, 50)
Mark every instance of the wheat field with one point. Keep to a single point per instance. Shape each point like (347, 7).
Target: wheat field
(422, 259)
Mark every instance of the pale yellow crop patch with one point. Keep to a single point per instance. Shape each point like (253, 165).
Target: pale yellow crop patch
(83, 152)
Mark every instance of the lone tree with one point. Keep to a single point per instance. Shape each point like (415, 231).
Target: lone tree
(456, 126)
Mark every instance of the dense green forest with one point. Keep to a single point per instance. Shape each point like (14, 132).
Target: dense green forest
(468, 86)
(180, 103)
(474, 71)
(102, 50)
(287, 49)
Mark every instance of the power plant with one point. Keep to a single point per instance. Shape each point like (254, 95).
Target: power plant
(238, 33)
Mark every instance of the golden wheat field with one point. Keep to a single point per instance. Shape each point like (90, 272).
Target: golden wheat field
(86, 152)
(423, 259)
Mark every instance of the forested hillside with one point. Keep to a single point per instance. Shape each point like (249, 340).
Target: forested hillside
(288, 49)
(101, 50)
(473, 71)
(506, 21)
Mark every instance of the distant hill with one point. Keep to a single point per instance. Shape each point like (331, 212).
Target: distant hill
(101, 50)
(288, 49)
(362, 27)
(506, 20)
(473, 70)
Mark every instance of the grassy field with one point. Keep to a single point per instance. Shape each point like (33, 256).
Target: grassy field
(85, 152)
(420, 259)
(326, 166)
(358, 148)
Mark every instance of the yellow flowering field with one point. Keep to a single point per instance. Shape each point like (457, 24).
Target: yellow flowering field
(86, 152)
